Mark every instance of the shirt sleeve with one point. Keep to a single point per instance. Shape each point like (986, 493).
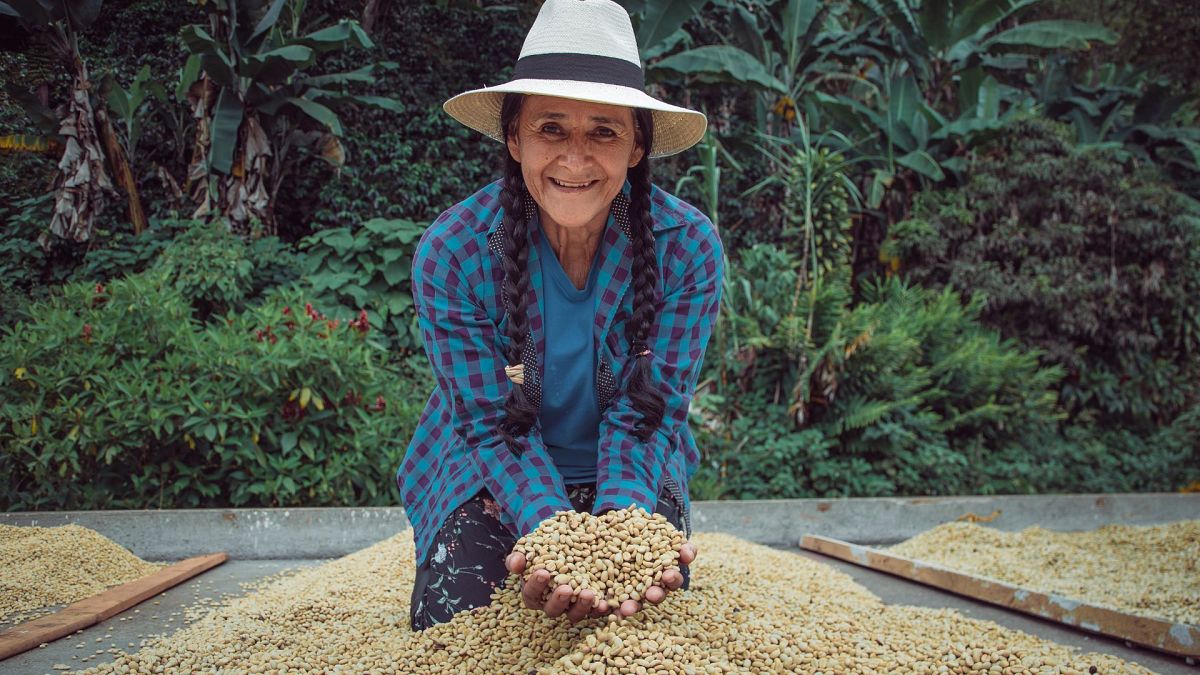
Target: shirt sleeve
(629, 471)
(461, 343)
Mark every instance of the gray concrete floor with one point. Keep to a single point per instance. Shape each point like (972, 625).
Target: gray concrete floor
(126, 631)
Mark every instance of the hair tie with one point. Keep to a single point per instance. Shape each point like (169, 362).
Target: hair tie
(644, 353)
(516, 373)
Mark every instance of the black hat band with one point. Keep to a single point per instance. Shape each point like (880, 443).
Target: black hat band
(580, 67)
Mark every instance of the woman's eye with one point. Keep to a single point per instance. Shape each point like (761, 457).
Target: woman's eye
(604, 132)
(550, 129)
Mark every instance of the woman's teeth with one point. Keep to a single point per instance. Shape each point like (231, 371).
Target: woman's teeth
(570, 185)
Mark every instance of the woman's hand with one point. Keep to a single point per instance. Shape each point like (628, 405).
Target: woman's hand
(672, 579)
(560, 600)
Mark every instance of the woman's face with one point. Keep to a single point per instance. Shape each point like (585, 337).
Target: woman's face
(574, 156)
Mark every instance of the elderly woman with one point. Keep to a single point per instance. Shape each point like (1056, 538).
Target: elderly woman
(565, 310)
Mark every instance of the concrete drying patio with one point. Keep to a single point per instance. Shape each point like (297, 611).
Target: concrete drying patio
(262, 542)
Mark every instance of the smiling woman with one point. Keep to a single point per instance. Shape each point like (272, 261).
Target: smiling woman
(565, 310)
(573, 157)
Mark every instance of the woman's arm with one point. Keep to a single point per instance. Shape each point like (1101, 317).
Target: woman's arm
(460, 341)
(629, 470)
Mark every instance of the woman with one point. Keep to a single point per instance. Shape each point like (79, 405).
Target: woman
(565, 310)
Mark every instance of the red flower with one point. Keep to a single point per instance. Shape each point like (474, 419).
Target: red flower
(87, 333)
(360, 324)
(287, 311)
(99, 299)
(380, 404)
(292, 411)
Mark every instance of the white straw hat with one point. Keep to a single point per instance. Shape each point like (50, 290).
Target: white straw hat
(584, 50)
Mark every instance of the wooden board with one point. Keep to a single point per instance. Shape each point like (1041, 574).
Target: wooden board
(1180, 639)
(102, 606)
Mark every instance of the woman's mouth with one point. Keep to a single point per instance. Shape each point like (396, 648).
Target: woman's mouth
(570, 186)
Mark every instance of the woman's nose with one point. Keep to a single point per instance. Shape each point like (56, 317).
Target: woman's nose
(577, 149)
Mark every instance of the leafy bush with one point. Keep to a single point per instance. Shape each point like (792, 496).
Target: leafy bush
(118, 399)
(217, 271)
(905, 393)
(369, 268)
(209, 266)
(1090, 260)
(124, 253)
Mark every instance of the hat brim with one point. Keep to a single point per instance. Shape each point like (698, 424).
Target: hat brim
(675, 129)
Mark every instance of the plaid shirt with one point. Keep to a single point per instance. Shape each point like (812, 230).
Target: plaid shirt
(456, 450)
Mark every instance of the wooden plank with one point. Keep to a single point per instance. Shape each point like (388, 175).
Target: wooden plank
(102, 606)
(1180, 639)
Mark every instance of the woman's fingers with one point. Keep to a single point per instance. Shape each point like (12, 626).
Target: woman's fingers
(534, 587)
(630, 607)
(687, 553)
(582, 606)
(559, 601)
(601, 609)
(672, 578)
(515, 563)
(655, 595)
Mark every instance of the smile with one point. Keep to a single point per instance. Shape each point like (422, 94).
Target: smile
(572, 186)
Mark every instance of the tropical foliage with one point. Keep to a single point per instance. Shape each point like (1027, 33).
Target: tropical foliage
(961, 240)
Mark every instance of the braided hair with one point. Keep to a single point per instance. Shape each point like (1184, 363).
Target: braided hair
(520, 414)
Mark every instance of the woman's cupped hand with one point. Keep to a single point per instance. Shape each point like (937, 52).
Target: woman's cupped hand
(561, 600)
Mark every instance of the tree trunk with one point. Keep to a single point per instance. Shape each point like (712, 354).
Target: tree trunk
(120, 166)
(82, 184)
(373, 10)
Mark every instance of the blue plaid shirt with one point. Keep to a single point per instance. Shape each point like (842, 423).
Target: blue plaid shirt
(457, 449)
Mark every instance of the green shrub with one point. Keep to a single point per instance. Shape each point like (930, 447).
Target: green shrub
(1092, 261)
(217, 272)
(119, 399)
(123, 253)
(368, 269)
(905, 393)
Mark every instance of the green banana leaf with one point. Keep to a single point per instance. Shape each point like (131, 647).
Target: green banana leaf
(662, 18)
(1053, 35)
(227, 117)
(723, 62)
(319, 113)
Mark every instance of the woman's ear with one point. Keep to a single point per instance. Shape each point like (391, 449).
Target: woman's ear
(639, 148)
(514, 147)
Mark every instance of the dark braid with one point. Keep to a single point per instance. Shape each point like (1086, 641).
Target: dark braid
(646, 400)
(520, 413)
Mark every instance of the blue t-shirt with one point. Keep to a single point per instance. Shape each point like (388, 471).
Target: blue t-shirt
(570, 414)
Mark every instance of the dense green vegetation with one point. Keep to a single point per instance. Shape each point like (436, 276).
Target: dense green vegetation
(963, 243)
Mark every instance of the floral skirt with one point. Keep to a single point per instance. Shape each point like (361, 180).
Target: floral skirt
(466, 562)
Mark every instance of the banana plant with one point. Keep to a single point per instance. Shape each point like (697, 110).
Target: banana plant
(783, 50)
(949, 41)
(258, 111)
(82, 185)
(1123, 107)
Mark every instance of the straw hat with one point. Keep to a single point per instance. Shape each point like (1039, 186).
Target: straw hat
(584, 50)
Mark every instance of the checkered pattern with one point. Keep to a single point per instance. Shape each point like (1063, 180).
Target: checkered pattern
(456, 450)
